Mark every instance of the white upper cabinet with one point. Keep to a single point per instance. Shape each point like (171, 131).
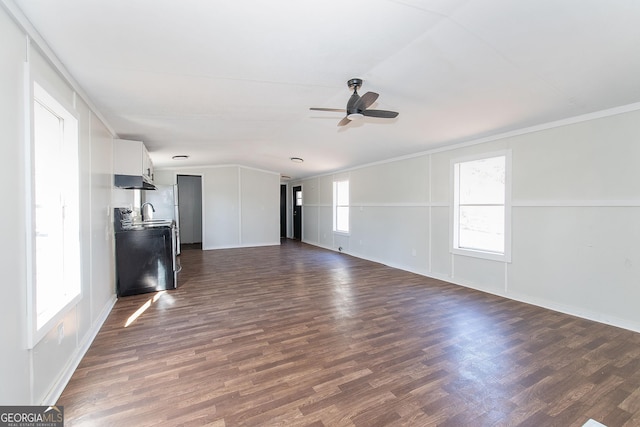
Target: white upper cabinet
(147, 165)
(131, 158)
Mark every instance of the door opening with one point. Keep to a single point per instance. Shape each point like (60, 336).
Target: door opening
(297, 212)
(190, 208)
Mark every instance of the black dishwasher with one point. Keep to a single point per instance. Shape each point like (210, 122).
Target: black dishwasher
(144, 260)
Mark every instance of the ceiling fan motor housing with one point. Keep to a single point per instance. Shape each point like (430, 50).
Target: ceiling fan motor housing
(354, 84)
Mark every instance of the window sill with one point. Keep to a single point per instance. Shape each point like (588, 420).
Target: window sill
(474, 253)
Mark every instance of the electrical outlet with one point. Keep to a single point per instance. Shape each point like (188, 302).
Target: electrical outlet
(413, 252)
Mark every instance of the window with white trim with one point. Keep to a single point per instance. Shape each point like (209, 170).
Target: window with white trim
(481, 206)
(341, 206)
(55, 241)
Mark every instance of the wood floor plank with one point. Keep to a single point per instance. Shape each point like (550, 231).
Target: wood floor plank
(295, 335)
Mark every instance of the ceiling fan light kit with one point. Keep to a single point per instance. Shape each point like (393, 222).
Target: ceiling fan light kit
(357, 106)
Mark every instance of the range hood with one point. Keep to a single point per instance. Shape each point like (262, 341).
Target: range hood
(132, 182)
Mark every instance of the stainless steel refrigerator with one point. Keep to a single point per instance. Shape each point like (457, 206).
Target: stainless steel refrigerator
(165, 202)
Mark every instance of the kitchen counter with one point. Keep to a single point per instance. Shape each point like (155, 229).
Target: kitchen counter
(144, 225)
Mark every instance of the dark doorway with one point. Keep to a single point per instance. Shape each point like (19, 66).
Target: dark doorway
(297, 212)
(283, 211)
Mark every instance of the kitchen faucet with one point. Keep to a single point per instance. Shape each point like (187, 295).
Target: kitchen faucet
(147, 213)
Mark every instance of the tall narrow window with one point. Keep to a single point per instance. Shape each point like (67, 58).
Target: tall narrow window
(341, 206)
(481, 207)
(56, 242)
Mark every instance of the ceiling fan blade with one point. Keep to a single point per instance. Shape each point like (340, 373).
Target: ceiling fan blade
(344, 121)
(340, 110)
(366, 100)
(380, 113)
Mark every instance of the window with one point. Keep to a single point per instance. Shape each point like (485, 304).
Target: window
(55, 262)
(341, 206)
(299, 198)
(481, 206)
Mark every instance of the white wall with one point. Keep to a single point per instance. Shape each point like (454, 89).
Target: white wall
(241, 206)
(259, 207)
(37, 376)
(15, 366)
(575, 217)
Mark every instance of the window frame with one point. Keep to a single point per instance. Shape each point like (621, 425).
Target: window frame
(38, 91)
(455, 208)
(336, 230)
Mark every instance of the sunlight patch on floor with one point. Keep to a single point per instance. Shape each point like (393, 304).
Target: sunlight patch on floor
(143, 308)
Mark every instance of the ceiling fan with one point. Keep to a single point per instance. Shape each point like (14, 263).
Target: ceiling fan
(357, 105)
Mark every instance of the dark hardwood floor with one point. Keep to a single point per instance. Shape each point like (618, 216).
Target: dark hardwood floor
(297, 335)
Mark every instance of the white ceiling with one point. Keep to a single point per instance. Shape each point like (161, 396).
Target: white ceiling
(231, 81)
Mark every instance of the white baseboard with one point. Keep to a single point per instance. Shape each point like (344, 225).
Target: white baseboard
(244, 245)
